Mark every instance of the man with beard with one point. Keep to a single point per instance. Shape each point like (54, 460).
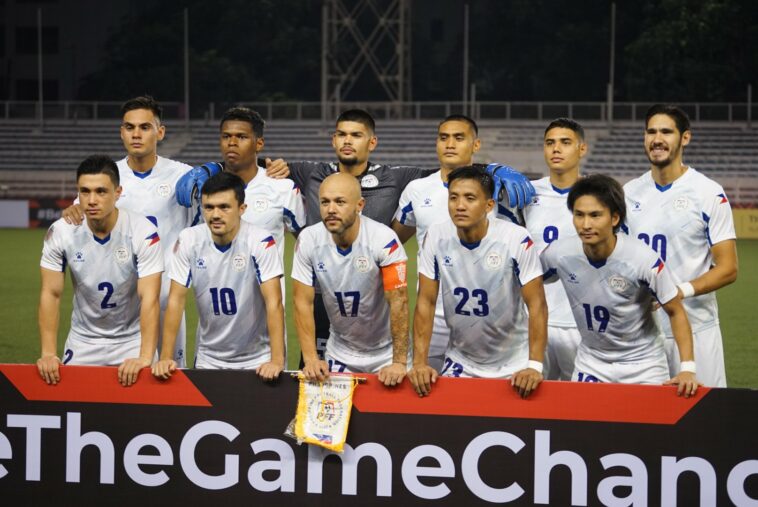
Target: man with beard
(360, 266)
(687, 219)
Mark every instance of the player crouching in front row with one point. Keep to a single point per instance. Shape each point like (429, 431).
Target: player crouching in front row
(487, 270)
(609, 279)
(235, 268)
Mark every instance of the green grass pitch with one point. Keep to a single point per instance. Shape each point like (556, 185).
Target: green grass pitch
(19, 284)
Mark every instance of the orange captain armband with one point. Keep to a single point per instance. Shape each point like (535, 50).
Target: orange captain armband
(394, 276)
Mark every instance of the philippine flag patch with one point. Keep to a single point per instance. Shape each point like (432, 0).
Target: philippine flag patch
(723, 199)
(269, 241)
(391, 247)
(527, 243)
(658, 267)
(154, 238)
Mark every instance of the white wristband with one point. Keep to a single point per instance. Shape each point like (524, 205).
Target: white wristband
(535, 365)
(687, 290)
(688, 366)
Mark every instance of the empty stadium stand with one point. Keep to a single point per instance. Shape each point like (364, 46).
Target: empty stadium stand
(39, 163)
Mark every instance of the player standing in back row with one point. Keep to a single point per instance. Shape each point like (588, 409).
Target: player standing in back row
(149, 184)
(686, 218)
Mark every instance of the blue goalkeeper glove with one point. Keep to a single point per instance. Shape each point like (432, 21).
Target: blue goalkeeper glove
(518, 187)
(192, 182)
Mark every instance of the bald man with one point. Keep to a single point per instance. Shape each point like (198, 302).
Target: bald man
(360, 266)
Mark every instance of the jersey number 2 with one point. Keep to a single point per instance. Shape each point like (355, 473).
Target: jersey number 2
(108, 288)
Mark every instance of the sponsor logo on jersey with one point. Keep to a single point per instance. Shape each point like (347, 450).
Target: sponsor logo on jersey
(447, 261)
(573, 278)
(269, 241)
(390, 247)
(527, 242)
(320, 267)
(153, 238)
(239, 262)
(658, 267)
(260, 204)
(493, 260)
(163, 190)
(362, 264)
(369, 181)
(681, 203)
(427, 202)
(79, 257)
(618, 283)
(723, 200)
(636, 206)
(121, 254)
(200, 263)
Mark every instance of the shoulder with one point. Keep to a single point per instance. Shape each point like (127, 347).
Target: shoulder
(173, 165)
(282, 185)
(542, 185)
(700, 182)
(61, 229)
(374, 228)
(500, 227)
(637, 184)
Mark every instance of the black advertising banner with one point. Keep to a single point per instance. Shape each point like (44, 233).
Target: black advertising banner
(43, 212)
(207, 437)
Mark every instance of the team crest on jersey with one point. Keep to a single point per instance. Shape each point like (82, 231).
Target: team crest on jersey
(636, 206)
(681, 203)
(493, 261)
(527, 242)
(320, 267)
(239, 262)
(260, 204)
(200, 263)
(362, 264)
(447, 261)
(163, 190)
(121, 254)
(723, 200)
(78, 257)
(657, 267)
(618, 283)
(369, 181)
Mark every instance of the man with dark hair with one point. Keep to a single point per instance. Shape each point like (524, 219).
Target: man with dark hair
(116, 263)
(609, 278)
(236, 272)
(149, 187)
(275, 205)
(423, 203)
(686, 218)
(548, 219)
(485, 271)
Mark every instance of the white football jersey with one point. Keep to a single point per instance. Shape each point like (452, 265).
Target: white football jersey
(351, 283)
(274, 205)
(153, 194)
(612, 301)
(681, 222)
(547, 219)
(104, 273)
(480, 285)
(232, 326)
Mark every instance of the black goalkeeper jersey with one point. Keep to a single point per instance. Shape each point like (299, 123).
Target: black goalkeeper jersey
(381, 186)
